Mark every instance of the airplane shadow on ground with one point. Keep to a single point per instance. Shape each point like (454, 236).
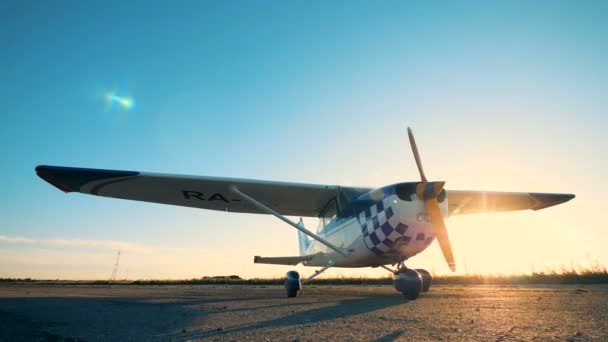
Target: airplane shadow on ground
(341, 309)
(74, 318)
(390, 337)
(111, 318)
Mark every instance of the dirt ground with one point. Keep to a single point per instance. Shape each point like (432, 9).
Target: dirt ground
(320, 313)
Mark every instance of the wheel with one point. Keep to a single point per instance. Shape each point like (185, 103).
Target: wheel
(292, 292)
(408, 282)
(427, 279)
(293, 284)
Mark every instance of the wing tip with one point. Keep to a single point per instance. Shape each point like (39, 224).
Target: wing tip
(71, 179)
(46, 173)
(545, 200)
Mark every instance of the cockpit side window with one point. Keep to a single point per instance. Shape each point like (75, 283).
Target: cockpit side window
(328, 213)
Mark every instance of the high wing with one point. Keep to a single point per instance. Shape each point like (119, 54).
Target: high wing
(463, 202)
(212, 193)
(295, 199)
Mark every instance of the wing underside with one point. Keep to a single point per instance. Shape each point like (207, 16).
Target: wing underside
(212, 193)
(294, 199)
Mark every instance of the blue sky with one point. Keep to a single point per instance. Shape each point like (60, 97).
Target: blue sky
(501, 95)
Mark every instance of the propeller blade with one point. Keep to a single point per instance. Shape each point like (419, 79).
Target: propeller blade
(432, 208)
(428, 193)
(416, 155)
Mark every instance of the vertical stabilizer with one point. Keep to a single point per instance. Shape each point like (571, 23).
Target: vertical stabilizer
(303, 239)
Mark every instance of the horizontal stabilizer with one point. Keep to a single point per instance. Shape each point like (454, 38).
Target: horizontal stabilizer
(290, 260)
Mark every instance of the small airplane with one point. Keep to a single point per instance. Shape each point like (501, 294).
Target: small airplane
(358, 227)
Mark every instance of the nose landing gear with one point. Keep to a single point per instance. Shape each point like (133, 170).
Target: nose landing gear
(411, 282)
(408, 282)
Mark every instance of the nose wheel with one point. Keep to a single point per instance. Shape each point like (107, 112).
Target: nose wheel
(407, 281)
(427, 279)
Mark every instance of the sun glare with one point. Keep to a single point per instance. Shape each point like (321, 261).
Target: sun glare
(124, 102)
(513, 243)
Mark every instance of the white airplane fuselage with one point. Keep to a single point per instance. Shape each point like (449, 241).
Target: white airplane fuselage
(386, 232)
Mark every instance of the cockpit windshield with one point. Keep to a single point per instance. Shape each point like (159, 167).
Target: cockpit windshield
(335, 207)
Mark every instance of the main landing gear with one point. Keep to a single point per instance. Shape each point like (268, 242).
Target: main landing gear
(411, 282)
(293, 284)
(407, 281)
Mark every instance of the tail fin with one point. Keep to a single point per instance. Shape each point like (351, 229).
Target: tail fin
(303, 239)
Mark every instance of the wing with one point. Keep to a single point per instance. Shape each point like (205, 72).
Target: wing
(462, 202)
(191, 191)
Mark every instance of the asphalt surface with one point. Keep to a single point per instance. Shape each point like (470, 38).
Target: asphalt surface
(320, 313)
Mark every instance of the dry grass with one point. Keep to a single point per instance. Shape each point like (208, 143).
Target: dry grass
(565, 275)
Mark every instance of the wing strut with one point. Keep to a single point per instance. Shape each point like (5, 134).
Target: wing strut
(301, 228)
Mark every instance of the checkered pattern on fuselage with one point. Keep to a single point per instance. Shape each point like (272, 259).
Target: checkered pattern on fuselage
(379, 235)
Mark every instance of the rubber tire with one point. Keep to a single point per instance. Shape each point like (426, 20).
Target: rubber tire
(292, 287)
(292, 293)
(408, 282)
(427, 279)
(293, 284)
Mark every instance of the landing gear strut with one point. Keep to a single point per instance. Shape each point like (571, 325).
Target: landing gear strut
(407, 281)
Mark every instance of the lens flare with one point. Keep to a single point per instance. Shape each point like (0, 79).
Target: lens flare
(124, 102)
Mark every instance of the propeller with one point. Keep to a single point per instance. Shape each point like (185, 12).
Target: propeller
(428, 192)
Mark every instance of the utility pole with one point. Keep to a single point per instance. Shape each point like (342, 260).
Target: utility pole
(115, 270)
(532, 264)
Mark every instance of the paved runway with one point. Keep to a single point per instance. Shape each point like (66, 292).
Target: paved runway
(350, 313)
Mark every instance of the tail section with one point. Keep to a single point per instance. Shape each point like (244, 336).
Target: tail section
(303, 239)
